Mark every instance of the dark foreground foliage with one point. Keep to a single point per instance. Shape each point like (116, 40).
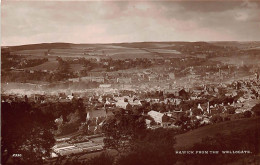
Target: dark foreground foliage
(26, 134)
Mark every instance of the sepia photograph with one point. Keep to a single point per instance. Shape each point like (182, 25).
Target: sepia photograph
(130, 82)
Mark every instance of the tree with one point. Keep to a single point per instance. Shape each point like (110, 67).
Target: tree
(196, 111)
(185, 122)
(26, 131)
(216, 119)
(183, 94)
(78, 106)
(247, 114)
(103, 159)
(121, 130)
(72, 125)
(231, 110)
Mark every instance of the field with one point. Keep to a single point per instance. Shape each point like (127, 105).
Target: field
(241, 45)
(240, 60)
(116, 51)
(150, 50)
(49, 65)
(36, 52)
(187, 140)
(76, 67)
(170, 51)
(135, 50)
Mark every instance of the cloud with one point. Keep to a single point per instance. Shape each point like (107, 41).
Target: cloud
(102, 22)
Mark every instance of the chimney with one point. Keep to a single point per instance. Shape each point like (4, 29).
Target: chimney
(208, 110)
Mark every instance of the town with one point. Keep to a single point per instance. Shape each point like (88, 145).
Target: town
(173, 93)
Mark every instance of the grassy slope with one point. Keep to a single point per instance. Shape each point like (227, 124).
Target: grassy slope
(49, 65)
(120, 50)
(186, 140)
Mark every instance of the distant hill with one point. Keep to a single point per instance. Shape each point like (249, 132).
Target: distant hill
(135, 49)
(247, 44)
(40, 46)
(240, 45)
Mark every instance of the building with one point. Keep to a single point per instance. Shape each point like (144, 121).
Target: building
(73, 80)
(98, 79)
(96, 74)
(256, 76)
(96, 114)
(121, 104)
(152, 78)
(171, 76)
(93, 79)
(104, 85)
(175, 92)
(160, 118)
(157, 116)
(124, 80)
(38, 97)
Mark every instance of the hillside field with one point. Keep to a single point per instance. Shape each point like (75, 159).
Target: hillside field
(187, 140)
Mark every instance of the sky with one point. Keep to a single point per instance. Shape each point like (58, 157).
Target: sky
(29, 22)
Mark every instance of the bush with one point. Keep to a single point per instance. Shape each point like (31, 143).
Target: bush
(247, 114)
(216, 119)
(231, 111)
(102, 159)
